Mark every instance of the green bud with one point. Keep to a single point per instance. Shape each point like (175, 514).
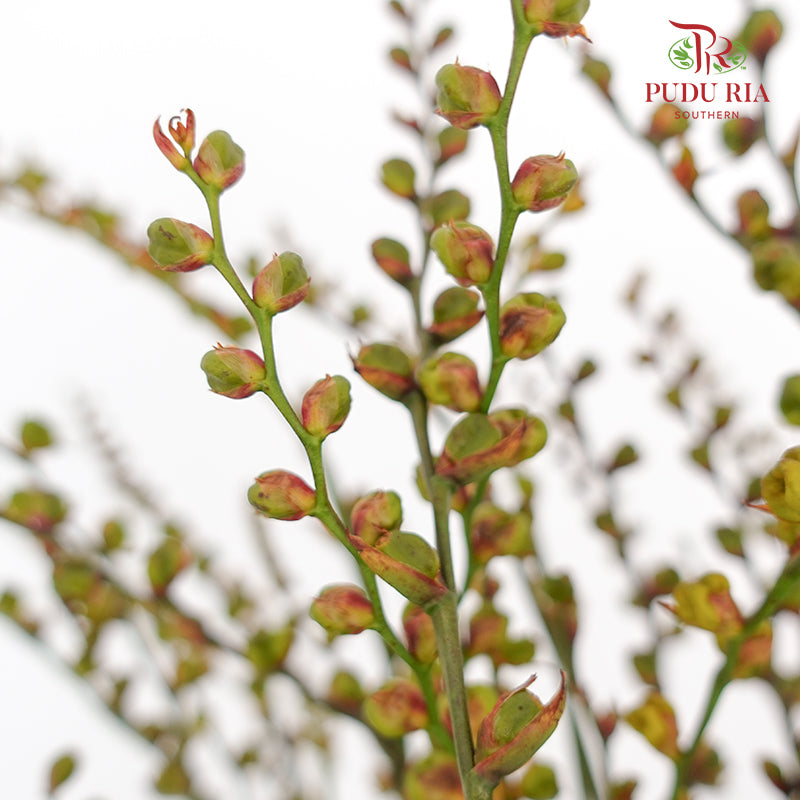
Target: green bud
(282, 284)
(386, 368)
(267, 650)
(452, 141)
(398, 176)
(345, 694)
(343, 609)
(282, 495)
(35, 435)
(537, 11)
(455, 311)
(375, 515)
(166, 562)
(451, 380)
(61, 771)
(539, 782)
(707, 604)
(665, 123)
(179, 246)
(466, 96)
(36, 510)
(528, 323)
(598, 72)
(753, 216)
(420, 634)
(495, 532)
(466, 251)
(790, 400)
(396, 709)
(655, 720)
(776, 266)
(219, 161)
(326, 406)
(392, 257)
(780, 487)
(433, 778)
(233, 372)
(543, 182)
(447, 206)
(761, 33)
(741, 134)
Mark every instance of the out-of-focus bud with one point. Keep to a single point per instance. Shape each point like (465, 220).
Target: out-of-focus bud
(479, 444)
(448, 206)
(267, 650)
(557, 18)
(780, 487)
(36, 510)
(342, 609)
(281, 284)
(539, 782)
(233, 372)
(345, 693)
(183, 135)
(398, 177)
(543, 182)
(516, 728)
(707, 604)
(488, 635)
(455, 311)
(179, 246)
(392, 257)
(761, 33)
(400, 56)
(466, 251)
(282, 495)
(753, 215)
(451, 380)
(396, 709)
(790, 400)
(326, 406)
(34, 435)
(741, 134)
(375, 515)
(219, 161)
(495, 532)
(655, 720)
(528, 323)
(776, 266)
(598, 72)
(433, 778)
(386, 368)
(166, 562)
(667, 121)
(420, 635)
(684, 170)
(466, 96)
(452, 142)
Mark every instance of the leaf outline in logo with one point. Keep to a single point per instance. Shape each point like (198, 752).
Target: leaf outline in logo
(679, 56)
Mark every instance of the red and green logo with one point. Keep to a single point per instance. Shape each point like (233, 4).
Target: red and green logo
(704, 50)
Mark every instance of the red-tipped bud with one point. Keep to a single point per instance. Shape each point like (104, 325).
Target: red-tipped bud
(179, 246)
(398, 177)
(282, 284)
(528, 323)
(433, 778)
(753, 215)
(479, 444)
(452, 142)
(420, 635)
(220, 161)
(392, 257)
(375, 515)
(177, 159)
(741, 134)
(516, 728)
(761, 33)
(655, 720)
(448, 206)
(345, 694)
(684, 170)
(466, 96)
(386, 368)
(666, 122)
(780, 487)
(455, 311)
(326, 406)
(282, 495)
(451, 380)
(183, 133)
(466, 251)
(233, 372)
(495, 532)
(599, 73)
(343, 609)
(538, 11)
(543, 182)
(396, 709)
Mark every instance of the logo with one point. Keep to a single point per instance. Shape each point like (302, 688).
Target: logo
(705, 50)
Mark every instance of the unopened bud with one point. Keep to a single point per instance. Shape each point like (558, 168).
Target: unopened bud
(233, 372)
(455, 311)
(35, 435)
(343, 609)
(398, 177)
(599, 73)
(761, 33)
(386, 368)
(466, 96)
(179, 246)
(220, 161)
(667, 121)
(282, 284)
(780, 487)
(528, 323)
(326, 406)
(433, 778)
(420, 634)
(776, 266)
(790, 400)
(753, 215)
(451, 380)
(495, 532)
(345, 694)
(375, 515)
(452, 142)
(396, 709)
(537, 11)
(448, 206)
(741, 134)
(543, 182)
(466, 251)
(282, 495)
(392, 257)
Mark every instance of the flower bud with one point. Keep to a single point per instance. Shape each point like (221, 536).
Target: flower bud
(166, 562)
(780, 487)
(684, 170)
(343, 609)
(666, 123)
(741, 134)
(466, 251)
(282, 495)
(396, 709)
(282, 284)
(233, 372)
(452, 142)
(451, 380)
(515, 729)
(179, 246)
(182, 134)
(392, 257)
(455, 311)
(433, 778)
(761, 33)
(326, 406)
(34, 435)
(420, 635)
(539, 782)
(375, 515)
(495, 532)
(753, 216)
(528, 323)
(776, 266)
(267, 650)
(466, 96)
(537, 11)
(386, 368)
(220, 161)
(345, 694)
(35, 510)
(790, 400)
(543, 182)
(707, 604)
(598, 72)
(448, 206)
(398, 177)
(655, 720)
